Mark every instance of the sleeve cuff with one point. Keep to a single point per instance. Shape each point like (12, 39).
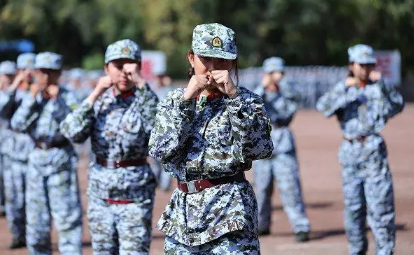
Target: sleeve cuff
(186, 106)
(85, 106)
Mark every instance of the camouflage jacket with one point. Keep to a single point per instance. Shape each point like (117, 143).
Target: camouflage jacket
(119, 129)
(361, 111)
(209, 140)
(40, 118)
(281, 107)
(18, 146)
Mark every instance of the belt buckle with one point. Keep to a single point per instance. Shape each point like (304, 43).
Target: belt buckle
(110, 163)
(191, 187)
(43, 145)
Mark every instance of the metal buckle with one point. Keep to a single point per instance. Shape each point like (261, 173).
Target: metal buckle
(43, 146)
(110, 163)
(191, 187)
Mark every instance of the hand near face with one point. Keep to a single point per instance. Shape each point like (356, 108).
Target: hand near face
(104, 83)
(375, 76)
(266, 80)
(223, 82)
(196, 85)
(133, 74)
(351, 81)
(20, 78)
(35, 89)
(52, 91)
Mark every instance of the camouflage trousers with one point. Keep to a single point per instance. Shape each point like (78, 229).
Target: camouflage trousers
(368, 195)
(2, 195)
(15, 186)
(123, 229)
(283, 168)
(56, 196)
(163, 178)
(233, 243)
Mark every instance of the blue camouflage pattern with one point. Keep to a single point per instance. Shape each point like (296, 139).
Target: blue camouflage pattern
(52, 189)
(16, 149)
(367, 180)
(362, 54)
(119, 129)
(283, 165)
(48, 60)
(8, 68)
(26, 61)
(206, 141)
(234, 243)
(163, 178)
(121, 229)
(123, 49)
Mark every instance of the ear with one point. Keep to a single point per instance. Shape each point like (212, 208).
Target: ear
(106, 69)
(191, 57)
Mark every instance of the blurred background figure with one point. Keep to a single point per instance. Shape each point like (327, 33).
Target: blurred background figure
(161, 86)
(52, 190)
(16, 149)
(280, 101)
(363, 104)
(7, 73)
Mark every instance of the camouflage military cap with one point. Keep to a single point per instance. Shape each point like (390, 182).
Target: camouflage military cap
(8, 68)
(362, 54)
(273, 64)
(123, 49)
(76, 74)
(48, 60)
(214, 40)
(26, 61)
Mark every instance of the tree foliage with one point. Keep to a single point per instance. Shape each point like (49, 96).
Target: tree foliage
(304, 32)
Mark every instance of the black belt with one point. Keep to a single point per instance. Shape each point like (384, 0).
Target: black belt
(47, 146)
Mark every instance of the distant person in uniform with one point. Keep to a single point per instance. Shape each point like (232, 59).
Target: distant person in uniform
(118, 116)
(281, 103)
(7, 74)
(52, 190)
(363, 104)
(17, 147)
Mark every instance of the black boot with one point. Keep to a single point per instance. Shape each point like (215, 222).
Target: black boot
(17, 243)
(302, 237)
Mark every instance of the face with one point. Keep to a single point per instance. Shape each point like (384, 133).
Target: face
(46, 77)
(7, 78)
(277, 76)
(114, 69)
(204, 65)
(28, 78)
(362, 71)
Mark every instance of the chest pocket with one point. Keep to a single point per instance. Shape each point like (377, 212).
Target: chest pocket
(132, 130)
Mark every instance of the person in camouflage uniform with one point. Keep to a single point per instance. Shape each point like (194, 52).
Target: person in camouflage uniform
(206, 136)
(281, 104)
(363, 104)
(118, 116)
(51, 180)
(18, 147)
(7, 73)
(161, 87)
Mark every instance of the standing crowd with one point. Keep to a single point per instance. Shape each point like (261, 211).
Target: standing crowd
(205, 136)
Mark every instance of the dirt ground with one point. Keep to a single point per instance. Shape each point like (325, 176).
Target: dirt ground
(318, 140)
